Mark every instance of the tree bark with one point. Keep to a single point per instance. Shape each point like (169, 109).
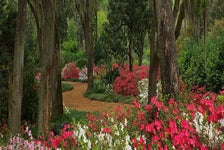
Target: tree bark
(88, 33)
(15, 100)
(130, 56)
(50, 96)
(57, 105)
(140, 53)
(180, 19)
(85, 10)
(167, 52)
(154, 59)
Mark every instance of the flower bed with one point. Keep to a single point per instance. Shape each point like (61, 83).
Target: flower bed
(195, 124)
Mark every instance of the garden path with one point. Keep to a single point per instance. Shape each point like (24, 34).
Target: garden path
(74, 99)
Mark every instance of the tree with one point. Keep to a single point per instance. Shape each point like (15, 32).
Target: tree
(167, 51)
(178, 15)
(50, 96)
(15, 100)
(87, 12)
(126, 29)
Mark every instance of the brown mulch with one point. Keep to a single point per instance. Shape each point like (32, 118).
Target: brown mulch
(74, 100)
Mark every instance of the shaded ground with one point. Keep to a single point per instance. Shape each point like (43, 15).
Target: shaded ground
(74, 100)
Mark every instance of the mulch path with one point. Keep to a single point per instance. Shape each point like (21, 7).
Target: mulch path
(74, 100)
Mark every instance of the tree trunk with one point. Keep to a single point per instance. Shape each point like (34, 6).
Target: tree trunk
(88, 34)
(167, 52)
(180, 19)
(154, 59)
(15, 100)
(57, 105)
(140, 55)
(50, 86)
(130, 56)
(140, 58)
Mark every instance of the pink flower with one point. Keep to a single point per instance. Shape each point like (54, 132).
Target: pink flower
(155, 138)
(136, 104)
(184, 124)
(158, 124)
(148, 107)
(106, 130)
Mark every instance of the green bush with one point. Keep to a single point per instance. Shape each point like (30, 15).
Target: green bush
(79, 57)
(209, 72)
(66, 87)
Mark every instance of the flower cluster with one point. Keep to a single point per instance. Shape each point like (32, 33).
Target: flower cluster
(195, 124)
(106, 131)
(23, 141)
(127, 83)
(70, 71)
(64, 140)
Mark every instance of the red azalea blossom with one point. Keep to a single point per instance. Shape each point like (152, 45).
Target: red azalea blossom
(106, 130)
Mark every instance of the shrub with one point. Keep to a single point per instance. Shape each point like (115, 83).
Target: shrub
(127, 83)
(66, 87)
(195, 69)
(70, 71)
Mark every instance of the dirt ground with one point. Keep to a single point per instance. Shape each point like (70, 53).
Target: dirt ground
(74, 100)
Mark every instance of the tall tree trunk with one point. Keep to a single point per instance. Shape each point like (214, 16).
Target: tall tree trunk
(15, 100)
(88, 33)
(167, 52)
(154, 59)
(140, 54)
(50, 86)
(57, 105)
(130, 56)
(180, 19)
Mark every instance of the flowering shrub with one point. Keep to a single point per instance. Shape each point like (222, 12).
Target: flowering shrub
(70, 71)
(127, 83)
(157, 125)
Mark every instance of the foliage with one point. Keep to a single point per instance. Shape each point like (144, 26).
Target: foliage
(79, 57)
(127, 20)
(195, 69)
(66, 87)
(217, 11)
(7, 38)
(70, 71)
(127, 83)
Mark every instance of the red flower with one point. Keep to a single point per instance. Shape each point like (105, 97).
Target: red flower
(184, 124)
(136, 104)
(106, 130)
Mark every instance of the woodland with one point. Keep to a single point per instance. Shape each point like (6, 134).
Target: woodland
(165, 59)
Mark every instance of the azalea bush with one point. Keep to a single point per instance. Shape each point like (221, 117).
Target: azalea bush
(70, 71)
(127, 83)
(195, 123)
